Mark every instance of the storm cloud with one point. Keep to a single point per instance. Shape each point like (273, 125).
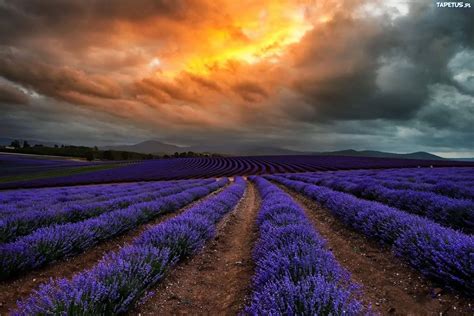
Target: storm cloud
(307, 75)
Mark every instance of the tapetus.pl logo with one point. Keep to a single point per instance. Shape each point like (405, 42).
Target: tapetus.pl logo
(453, 4)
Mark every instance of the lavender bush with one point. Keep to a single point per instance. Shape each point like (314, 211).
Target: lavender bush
(442, 254)
(295, 273)
(118, 280)
(18, 201)
(52, 243)
(454, 213)
(23, 223)
(455, 183)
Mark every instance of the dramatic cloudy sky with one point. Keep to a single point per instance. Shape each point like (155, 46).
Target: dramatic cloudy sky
(303, 74)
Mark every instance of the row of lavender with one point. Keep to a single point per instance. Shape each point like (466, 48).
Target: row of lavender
(440, 253)
(16, 201)
(456, 183)
(120, 278)
(185, 168)
(432, 176)
(295, 273)
(51, 243)
(450, 212)
(25, 222)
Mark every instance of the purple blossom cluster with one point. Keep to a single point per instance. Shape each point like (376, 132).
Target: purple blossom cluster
(24, 223)
(120, 278)
(457, 183)
(51, 243)
(451, 189)
(442, 254)
(17, 201)
(205, 167)
(454, 213)
(295, 273)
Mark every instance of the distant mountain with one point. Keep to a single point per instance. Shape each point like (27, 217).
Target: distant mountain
(243, 150)
(160, 148)
(380, 154)
(148, 147)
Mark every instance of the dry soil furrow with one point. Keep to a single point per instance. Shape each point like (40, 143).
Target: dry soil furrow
(217, 280)
(388, 284)
(12, 290)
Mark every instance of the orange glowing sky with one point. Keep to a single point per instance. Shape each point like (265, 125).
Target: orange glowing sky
(271, 70)
(262, 33)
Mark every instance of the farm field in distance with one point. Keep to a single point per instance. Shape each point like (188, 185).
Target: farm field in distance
(227, 235)
(74, 173)
(22, 167)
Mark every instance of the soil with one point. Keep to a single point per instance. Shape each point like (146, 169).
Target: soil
(14, 289)
(218, 279)
(389, 285)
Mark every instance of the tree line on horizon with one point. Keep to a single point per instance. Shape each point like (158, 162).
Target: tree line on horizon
(92, 153)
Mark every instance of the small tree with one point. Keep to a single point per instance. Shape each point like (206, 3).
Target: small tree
(26, 144)
(15, 143)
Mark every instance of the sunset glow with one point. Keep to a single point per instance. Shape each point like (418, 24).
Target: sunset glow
(292, 72)
(259, 35)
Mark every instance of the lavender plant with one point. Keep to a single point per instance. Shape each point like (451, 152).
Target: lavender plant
(118, 280)
(23, 223)
(454, 213)
(52, 243)
(441, 254)
(295, 273)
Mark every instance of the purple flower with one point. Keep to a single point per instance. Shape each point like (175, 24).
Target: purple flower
(122, 277)
(51, 243)
(295, 274)
(440, 253)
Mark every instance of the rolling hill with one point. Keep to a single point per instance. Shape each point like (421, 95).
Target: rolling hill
(160, 148)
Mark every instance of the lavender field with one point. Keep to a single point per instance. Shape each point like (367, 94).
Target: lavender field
(205, 167)
(372, 240)
(218, 157)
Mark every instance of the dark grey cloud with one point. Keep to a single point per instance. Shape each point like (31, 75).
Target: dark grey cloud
(449, 109)
(12, 95)
(358, 81)
(26, 69)
(20, 19)
(375, 67)
(50, 120)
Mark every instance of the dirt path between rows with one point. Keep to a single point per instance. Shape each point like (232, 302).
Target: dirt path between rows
(388, 284)
(217, 280)
(13, 290)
